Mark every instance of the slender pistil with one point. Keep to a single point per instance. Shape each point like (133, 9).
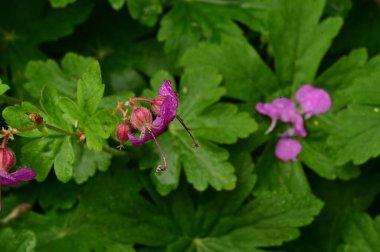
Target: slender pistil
(196, 145)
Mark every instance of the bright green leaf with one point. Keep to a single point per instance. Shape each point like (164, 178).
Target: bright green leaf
(116, 4)
(61, 3)
(63, 162)
(49, 73)
(90, 89)
(17, 241)
(146, 11)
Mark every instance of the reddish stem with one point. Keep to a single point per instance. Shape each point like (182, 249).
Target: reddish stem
(196, 145)
(140, 99)
(159, 167)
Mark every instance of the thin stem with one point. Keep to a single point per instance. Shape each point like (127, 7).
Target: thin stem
(0, 196)
(10, 100)
(196, 145)
(32, 127)
(141, 99)
(65, 132)
(159, 167)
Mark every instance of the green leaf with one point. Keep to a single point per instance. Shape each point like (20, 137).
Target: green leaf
(299, 40)
(90, 89)
(63, 162)
(49, 73)
(342, 199)
(146, 11)
(181, 31)
(36, 23)
(116, 4)
(359, 126)
(245, 75)
(208, 164)
(17, 241)
(3, 88)
(87, 162)
(272, 219)
(362, 234)
(274, 175)
(61, 3)
(40, 154)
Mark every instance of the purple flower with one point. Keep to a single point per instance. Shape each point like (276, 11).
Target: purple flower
(285, 110)
(14, 178)
(287, 149)
(313, 100)
(166, 112)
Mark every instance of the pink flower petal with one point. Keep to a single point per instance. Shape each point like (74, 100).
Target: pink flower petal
(288, 149)
(313, 100)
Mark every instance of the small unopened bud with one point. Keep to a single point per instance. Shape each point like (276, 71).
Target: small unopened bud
(141, 119)
(36, 118)
(156, 105)
(7, 159)
(82, 137)
(122, 132)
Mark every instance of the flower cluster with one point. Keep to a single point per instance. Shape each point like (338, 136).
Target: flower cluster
(313, 101)
(141, 124)
(7, 161)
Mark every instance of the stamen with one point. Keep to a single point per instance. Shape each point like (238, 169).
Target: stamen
(160, 167)
(271, 127)
(196, 145)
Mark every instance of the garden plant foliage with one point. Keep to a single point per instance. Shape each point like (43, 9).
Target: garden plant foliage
(72, 72)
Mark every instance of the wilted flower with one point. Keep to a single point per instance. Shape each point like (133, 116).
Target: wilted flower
(313, 101)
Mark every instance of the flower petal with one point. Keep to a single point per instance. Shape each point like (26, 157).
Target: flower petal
(14, 178)
(287, 149)
(280, 108)
(313, 100)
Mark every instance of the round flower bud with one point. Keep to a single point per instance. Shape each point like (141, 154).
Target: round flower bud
(156, 105)
(141, 119)
(7, 159)
(122, 132)
(287, 149)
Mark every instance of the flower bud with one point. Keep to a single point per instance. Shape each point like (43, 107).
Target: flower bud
(156, 105)
(122, 132)
(287, 149)
(7, 159)
(141, 119)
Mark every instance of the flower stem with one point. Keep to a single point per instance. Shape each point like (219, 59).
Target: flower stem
(140, 99)
(160, 167)
(10, 100)
(196, 145)
(65, 132)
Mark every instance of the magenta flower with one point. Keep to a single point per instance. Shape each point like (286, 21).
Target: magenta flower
(14, 178)
(7, 160)
(314, 101)
(282, 109)
(166, 113)
(287, 149)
